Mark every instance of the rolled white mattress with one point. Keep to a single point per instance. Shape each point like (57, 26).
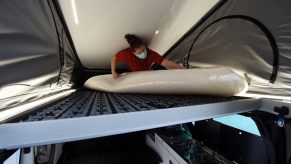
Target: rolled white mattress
(216, 81)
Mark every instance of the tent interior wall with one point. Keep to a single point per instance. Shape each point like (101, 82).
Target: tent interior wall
(233, 36)
(52, 46)
(37, 59)
(250, 37)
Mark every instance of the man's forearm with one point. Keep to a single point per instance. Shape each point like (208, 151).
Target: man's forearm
(171, 65)
(113, 64)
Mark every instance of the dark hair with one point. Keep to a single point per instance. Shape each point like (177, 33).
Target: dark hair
(133, 41)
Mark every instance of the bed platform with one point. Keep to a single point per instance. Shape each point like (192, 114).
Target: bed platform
(88, 114)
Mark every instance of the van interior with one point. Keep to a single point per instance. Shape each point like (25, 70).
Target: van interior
(49, 48)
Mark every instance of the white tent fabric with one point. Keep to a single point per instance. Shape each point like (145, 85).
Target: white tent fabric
(251, 37)
(35, 56)
(98, 27)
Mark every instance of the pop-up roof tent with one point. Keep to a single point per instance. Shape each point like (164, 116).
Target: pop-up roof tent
(42, 45)
(86, 23)
(51, 47)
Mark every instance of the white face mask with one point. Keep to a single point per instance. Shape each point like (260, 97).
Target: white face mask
(142, 55)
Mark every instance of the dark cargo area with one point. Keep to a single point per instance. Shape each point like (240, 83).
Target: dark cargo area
(122, 149)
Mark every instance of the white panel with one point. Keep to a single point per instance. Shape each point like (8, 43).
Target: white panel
(178, 21)
(156, 146)
(14, 158)
(174, 156)
(98, 26)
(27, 158)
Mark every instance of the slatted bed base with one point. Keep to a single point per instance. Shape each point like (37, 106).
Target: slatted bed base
(88, 114)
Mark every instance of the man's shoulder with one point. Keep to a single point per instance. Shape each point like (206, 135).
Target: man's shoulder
(152, 52)
(124, 55)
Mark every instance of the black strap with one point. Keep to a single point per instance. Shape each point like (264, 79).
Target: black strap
(262, 27)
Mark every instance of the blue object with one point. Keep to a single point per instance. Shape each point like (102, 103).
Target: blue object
(239, 122)
(281, 121)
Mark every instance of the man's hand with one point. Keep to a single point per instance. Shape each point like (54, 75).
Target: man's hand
(115, 75)
(113, 67)
(171, 65)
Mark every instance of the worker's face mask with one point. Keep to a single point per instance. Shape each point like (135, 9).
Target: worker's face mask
(142, 55)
